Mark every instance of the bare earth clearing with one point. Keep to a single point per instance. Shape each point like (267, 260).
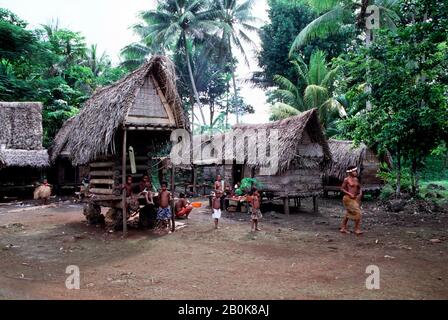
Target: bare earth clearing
(297, 257)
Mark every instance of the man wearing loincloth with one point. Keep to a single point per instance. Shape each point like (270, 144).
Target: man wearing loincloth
(352, 200)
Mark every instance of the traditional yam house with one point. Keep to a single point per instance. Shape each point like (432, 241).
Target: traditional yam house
(121, 128)
(23, 159)
(303, 153)
(346, 154)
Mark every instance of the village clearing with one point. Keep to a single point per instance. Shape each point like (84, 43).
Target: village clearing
(301, 256)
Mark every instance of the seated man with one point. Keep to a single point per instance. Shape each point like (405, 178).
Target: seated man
(183, 207)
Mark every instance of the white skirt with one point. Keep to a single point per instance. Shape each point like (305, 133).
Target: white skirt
(216, 213)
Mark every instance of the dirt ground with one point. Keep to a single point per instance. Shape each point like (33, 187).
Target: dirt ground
(301, 256)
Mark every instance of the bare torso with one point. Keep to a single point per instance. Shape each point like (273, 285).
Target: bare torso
(164, 199)
(351, 187)
(256, 201)
(216, 203)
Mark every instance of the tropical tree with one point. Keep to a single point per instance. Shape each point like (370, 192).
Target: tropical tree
(97, 63)
(337, 15)
(286, 20)
(235, 22)
(176, 24)
(313, 89)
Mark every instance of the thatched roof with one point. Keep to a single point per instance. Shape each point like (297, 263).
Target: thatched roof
(91, 133)
(21, 125)
(59, 147)
(344, 155)
(291, 135)
(23, 158)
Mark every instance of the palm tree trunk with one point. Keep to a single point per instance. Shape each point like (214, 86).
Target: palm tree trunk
(235, 91)
(190, 73)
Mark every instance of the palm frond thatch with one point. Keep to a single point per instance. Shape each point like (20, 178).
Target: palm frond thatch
(105, 112)
(291, 134)
(344, 155)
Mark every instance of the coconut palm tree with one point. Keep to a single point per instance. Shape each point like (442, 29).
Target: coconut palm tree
(235, 21)
(312, 89)
(340, 13)
(97, 63)
(176, 24)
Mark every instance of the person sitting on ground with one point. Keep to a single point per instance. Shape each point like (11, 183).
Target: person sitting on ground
(216, 205)
(164, 213)
(43, 192)
(255, 202)
(352, 200)
(183, 207)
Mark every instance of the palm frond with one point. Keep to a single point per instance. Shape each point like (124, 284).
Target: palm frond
(315, 96)
(326, 24)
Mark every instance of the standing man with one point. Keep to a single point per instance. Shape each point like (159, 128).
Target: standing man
(352, 200)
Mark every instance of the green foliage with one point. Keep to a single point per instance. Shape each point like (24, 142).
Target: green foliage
(246, 186)
(51, 65)
(406, 73)
(313, 88)
(287, 19)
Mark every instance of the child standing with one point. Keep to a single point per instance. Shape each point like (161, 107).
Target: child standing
(216, 204)
(164, 213)
(255, 201)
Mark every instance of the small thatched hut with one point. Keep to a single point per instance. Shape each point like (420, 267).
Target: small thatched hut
(346, 154)
(122, 126)
(22, 156)
(302, 155)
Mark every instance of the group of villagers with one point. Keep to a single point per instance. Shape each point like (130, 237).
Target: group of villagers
(351, 189)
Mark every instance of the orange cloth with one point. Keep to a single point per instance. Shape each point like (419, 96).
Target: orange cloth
(184, 212)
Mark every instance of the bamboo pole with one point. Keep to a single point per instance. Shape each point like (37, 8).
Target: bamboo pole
(123, 179)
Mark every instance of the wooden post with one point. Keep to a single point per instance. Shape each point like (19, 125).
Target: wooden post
(173, 188)
(286, 205)
(315, 205)
(194, 179)
(123, 180)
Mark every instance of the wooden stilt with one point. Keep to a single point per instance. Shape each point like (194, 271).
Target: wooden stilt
(173, 189)
(315, 205)
(195, 178)
(123, 179)
(286, 205)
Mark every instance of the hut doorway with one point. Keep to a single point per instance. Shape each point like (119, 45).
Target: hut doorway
(238, 170)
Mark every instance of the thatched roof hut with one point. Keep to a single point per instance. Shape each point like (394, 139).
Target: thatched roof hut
(145, 99)
(300, 139)
(346, 154)
(302, 154)
(21, 135)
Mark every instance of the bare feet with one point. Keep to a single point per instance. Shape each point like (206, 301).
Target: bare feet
(257, 229)
(359, 232)
(345, 231)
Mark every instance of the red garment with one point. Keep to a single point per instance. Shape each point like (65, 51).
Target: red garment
(185, 212)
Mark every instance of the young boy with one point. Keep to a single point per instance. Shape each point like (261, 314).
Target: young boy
(352, 200)
(255, 202)
(164, 213)
(216, 204)
(182, 207)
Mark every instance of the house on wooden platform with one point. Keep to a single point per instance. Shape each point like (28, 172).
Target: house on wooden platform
(122, 128)
(344, 155)
(302, 149)
(23, 160)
